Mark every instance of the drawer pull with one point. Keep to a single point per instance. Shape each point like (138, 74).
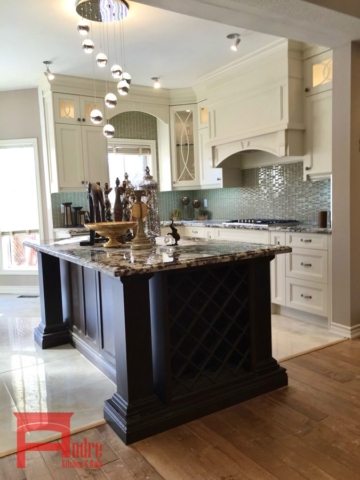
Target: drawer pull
(307, 297)
(194, 231)
(307, 240)
(306, 264)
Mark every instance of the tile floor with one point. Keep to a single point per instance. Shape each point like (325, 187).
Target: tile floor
(35, 380)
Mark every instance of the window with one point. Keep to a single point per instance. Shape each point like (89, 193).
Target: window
(132, 157)
(19, 205)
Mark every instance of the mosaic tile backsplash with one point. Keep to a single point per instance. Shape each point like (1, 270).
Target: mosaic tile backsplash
(268, 192)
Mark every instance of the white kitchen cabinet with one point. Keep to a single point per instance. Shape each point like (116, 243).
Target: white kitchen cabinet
(87, 104)
(67, 108)
(307, 296)
(278, 271)
(318, 73)
(209, 177)
(81, 156)
(70, 163)
(203, 115)
(243, 235)
(94, 148)
(318, 136)
(76, 109)
(307, 264)
(184, 146)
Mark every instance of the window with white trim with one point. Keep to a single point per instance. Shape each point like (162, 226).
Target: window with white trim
(19, 205)
(131, 157)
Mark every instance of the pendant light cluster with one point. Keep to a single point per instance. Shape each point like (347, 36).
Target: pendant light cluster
(104, 19)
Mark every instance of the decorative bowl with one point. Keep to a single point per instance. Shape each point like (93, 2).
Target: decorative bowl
(111, 230)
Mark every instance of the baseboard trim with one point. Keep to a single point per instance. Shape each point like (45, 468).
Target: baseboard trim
(344, 331)
(19, 290)
(299, 315)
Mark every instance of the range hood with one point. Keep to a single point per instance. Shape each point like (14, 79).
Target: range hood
(256, 112)
(262, 150)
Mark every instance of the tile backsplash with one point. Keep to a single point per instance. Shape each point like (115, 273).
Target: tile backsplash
(268, 192)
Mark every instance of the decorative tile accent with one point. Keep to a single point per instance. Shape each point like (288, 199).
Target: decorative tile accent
(277, 191)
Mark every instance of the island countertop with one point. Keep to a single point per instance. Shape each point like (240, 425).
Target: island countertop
(118, 262)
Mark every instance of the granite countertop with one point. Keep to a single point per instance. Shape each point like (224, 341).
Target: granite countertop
(300, 228)
(117, 262)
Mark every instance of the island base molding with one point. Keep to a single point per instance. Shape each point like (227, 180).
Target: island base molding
(133, 428)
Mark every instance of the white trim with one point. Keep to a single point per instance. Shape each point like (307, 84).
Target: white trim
(19, 290)
(299, 315)
(131, 141)
(344, 331)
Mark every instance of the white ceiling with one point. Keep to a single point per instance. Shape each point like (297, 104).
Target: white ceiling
(176, 47)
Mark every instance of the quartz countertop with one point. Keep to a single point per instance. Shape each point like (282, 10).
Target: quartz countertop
(117, 262)
(300, 227)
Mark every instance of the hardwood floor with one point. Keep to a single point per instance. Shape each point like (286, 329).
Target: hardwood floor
(308, 430)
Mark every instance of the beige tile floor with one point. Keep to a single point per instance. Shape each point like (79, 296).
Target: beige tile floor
(35, 380)
(55, 380)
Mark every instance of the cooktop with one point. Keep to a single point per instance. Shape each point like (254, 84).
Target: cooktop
(262, 221)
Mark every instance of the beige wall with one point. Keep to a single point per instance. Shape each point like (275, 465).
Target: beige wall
(346, 186)
(20, 118)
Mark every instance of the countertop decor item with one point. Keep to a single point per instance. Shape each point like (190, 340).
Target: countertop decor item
(111, 230)
(185, 201)
(322, 221)
(118, 206)
(96, 210)
(202, 214)
(174, 235)
(107, 190)
(76, 215)
(138, 212)
(176, 214)
(196, 203)
(68, 220)
(152, 221)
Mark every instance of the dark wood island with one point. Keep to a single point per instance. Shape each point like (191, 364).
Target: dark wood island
(183, 331)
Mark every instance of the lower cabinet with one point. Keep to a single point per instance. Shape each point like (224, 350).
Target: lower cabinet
(278, 271)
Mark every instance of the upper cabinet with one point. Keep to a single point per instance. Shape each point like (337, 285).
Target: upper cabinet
(319, 73)
(77, 149)
(184, 146)
(318, 116)
(76, 109)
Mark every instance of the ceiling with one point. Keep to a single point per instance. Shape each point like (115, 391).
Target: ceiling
(178, 48)
(294, 19)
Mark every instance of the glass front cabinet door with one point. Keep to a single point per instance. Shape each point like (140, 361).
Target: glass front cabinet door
(319, 73)
(184, 146)
(67, 109)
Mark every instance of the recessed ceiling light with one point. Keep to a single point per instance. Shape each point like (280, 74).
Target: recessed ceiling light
(236, 37)
(156, 82)
(50, 76)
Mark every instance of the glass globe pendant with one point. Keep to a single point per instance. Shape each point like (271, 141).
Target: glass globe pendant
(123, 87)
(101, 60)
(88, 46)
(108, 131)
(126, 77)
(83, 27)
(96, 116)
(110, 100)
(116, 71)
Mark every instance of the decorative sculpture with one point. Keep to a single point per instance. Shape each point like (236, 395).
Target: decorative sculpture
(107, 190)
(138, 212)
(152, 221)
(118, 206)
(96, 210)
(174, 233)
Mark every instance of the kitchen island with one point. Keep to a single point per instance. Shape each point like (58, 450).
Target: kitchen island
(183, 331)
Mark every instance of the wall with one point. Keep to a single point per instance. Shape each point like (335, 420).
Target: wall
(267, 192)
(20, 118)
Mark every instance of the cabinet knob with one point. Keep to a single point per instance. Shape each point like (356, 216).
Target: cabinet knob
(79, 119)
(307, 168)
(218, 179)
(83, 119)
(83, 182)
(307, 89)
